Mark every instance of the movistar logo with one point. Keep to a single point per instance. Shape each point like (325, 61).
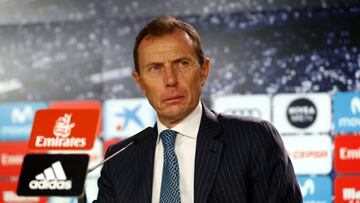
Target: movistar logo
(355, 105)
(351, 121)
(22, 115)
(308, 188)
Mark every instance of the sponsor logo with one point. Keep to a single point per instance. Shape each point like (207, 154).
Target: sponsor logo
(347, 154)
(347, 189)
(351, 194)
(347, 112)
(52, 174)
(126, 117)
(53, 178)
(8, 194)
(244, 105)
(19, 115)
(129, 115)
(301, 113)
(16, 120)
(11, 196)
(316, 154)
(11, 157)
(315, 189)
(355, 105)
(64, 129)
(309, 154)
(61, 131)
(307, 188)
(85, 104)
(244, 112)
(351, 121)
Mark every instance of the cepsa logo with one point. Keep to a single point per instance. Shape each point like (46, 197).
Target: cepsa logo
(347, 154)
(310, 154)
(347, 189)
(64, 129)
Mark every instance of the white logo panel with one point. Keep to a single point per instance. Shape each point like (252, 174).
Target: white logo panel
(244, 105)
(310, 155)
(126, 117)
(302, 113)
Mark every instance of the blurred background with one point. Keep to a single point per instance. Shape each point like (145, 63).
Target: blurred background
(295, 63)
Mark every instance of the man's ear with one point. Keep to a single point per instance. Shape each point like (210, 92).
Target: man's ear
(205, 70)
(138, 81)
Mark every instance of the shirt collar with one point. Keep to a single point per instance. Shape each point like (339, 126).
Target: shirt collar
(188, 127)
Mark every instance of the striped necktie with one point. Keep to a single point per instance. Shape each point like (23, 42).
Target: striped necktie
(170, 192)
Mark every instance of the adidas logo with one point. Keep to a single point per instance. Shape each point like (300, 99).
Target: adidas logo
(53, 178)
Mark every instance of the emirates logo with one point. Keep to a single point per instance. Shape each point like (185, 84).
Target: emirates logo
(63, 126)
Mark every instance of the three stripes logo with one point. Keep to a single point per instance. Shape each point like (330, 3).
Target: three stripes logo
(53, 178)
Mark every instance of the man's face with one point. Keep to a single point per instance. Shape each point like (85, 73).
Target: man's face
(170, 75)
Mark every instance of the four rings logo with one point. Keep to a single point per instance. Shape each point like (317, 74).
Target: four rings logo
(53, 178)
(253, 112)
(301, 113)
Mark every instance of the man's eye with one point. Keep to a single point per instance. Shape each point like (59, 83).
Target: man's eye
(183, 63)
(155, 68)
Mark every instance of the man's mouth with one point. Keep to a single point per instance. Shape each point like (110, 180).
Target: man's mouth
(174, 99)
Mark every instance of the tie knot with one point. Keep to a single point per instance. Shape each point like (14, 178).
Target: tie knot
(168, 138)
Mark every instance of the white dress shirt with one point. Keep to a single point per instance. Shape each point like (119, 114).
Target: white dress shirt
(185, 148)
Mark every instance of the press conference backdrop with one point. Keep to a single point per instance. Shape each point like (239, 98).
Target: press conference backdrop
(294, 63)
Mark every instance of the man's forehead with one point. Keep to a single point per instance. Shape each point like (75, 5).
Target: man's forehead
(180, 34)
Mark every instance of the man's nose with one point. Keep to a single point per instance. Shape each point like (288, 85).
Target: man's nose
(170, 76)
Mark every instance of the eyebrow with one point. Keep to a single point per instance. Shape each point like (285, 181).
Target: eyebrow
(152, 64)
(172, 61)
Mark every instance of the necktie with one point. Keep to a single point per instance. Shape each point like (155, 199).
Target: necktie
(170, 192)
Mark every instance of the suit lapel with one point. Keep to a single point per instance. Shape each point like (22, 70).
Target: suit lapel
(144, 166)
(208, 153)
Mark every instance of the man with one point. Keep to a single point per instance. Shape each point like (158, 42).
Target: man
(192, 154)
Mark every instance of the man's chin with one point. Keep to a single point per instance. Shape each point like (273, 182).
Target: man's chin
(173, 113)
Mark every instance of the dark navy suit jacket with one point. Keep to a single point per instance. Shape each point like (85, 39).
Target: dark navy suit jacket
(237, 159)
